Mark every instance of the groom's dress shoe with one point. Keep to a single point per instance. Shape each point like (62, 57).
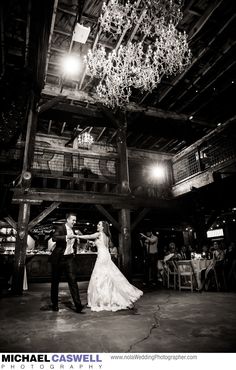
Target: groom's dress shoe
(55, 307)
(79, 309)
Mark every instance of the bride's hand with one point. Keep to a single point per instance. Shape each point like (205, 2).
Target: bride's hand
(71, 236)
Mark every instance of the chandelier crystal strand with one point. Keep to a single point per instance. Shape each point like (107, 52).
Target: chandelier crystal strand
(163, 50)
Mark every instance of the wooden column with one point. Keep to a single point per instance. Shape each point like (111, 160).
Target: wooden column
(20, 249)
(125, 242)
(124, 214)
(199, 222)
(123, 160)
(24, 208)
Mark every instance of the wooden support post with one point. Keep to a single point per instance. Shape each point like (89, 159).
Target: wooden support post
(20, 249)
(124, 214)
(199, 223)
(125, 242)
(105, 213)
(24, 208)
(30, 136)
(123, 156)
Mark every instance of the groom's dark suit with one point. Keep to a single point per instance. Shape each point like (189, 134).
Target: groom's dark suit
(63, 263)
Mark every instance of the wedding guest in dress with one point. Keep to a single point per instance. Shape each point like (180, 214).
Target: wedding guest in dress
(108, 288)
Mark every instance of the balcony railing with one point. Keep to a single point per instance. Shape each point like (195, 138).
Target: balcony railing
(214, 151)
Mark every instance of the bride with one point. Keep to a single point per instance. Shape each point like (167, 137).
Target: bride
(108, 289)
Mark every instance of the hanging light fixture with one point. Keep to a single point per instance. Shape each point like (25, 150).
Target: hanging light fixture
(85, 140)
(161, 49)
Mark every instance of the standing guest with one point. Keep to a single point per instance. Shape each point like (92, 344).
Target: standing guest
(150, 244)
(62, 260)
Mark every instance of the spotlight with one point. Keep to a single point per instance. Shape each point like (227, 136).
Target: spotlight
(71, 65)
(191, 117)
(157, 172)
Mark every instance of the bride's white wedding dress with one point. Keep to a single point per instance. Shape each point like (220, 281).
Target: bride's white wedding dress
(108, 288)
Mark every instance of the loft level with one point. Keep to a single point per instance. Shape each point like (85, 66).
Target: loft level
(209, 158)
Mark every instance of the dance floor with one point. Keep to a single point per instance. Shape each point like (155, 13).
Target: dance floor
(162, 321)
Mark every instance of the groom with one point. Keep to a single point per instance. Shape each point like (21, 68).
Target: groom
(63, 260)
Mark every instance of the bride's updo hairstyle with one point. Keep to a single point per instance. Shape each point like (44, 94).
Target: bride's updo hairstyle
(106, 228)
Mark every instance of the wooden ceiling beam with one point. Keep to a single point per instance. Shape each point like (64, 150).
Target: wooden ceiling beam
(156, 141)
(49, 126)
(63, 128)
(2, 37)
(132, 108)
(205, 70)
(204, 18)
(51, 33)
(43, 214)
(122, 201)
(196, 59)
(207, 86)
(101, 134)
(213, 96)
(135, 140)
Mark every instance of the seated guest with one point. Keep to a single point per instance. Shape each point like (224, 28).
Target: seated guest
(182, 253)
(171, 253)
(204, 252)
(113, 250)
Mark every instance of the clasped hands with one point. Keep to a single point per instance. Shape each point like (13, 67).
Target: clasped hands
(73, 236)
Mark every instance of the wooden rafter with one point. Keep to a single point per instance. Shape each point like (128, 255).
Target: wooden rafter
(202, 21)
(205, 70)
(11, 222)
(139, 218)
(51, 33)
(207, 86)
(196, 59)
(132, 108)
(42, 215)
(101, 134)
(105, 213)
(205, 102)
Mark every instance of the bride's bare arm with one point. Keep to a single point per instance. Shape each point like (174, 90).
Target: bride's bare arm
(88, 237)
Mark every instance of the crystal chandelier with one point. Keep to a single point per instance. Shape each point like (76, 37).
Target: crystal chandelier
(160, 50)
(85, 140)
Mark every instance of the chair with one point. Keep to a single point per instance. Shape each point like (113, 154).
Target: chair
(211, 279)
(186, 275)
(172, 274)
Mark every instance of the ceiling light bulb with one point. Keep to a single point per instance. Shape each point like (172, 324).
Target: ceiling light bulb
(71, 65)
